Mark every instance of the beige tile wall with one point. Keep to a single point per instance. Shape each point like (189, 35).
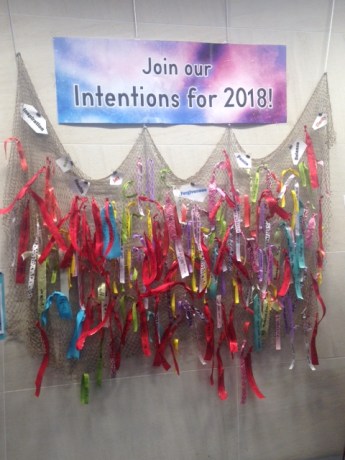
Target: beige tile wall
(150, 415)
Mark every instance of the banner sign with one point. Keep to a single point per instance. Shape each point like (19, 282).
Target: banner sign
(155, 82)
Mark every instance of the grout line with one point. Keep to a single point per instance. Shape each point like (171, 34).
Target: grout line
(128, 377)
(235, 368)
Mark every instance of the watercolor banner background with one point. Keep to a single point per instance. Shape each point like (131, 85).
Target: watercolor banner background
(160, 82)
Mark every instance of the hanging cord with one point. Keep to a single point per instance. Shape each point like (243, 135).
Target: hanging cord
(135, 20)
(329, 35)
(11, 27)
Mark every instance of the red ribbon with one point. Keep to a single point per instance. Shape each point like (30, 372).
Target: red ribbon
(313, 351)
(85, 334)
(20, 151)
(250, 376)
(126, 327)
(222, 393)
(46, 251)
(221, 253)
(312, 164)
(98, 244)
(23, 191)
(149, 267)
(48, 221)
(23, 244)
(49, 196)
(45, 360)
(231, 179)
(320, 250)
(144, 331)
(209, 334)
(246, 206)
(167, 335)
(206, 253)
(233, 345)
(286, 278)
(273, 206)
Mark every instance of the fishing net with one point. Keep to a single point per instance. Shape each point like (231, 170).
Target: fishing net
(239, 245)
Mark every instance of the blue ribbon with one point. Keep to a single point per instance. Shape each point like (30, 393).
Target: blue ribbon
(257, 323)
(63, 306)
(72, 352)
(115, 250)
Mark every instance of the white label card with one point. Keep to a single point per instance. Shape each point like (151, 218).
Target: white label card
(79, 186)
(116, 179)
(192, 192)
(33, 118)
(320, 121)
(64, 163)
(244, 160)
(297, 149)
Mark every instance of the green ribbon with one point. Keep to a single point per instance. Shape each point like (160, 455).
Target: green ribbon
(254, 187)
(125, 187)
(135, 317)
(84, 389)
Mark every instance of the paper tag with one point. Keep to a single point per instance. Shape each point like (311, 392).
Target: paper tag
(64, 163)
(320, 121)
(101, 292)
(41, 286)
(243, 160)
(297, 149)
(33, 118)
(192, 192)
(79, 186)
(116, 179)
(181, 259)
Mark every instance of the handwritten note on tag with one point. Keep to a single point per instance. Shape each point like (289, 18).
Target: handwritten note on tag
(297, 149)
(243, 160)
(33, 118)
(320, 121)
(192, 192)
(64, 163)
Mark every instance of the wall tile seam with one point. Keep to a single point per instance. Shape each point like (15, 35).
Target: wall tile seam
(170, 374)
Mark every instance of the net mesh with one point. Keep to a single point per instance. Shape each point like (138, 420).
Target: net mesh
(156, 181)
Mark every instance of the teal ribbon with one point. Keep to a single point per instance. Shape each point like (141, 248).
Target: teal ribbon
(72, 352)
(62, 304)
(257, 322)
(115, 250)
